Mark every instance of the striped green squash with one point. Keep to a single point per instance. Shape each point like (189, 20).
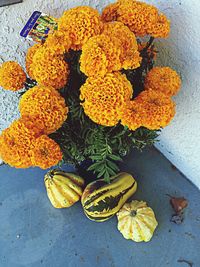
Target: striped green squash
(101, 200)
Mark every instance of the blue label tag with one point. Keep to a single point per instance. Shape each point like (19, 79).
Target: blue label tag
(30, 23)
(38, 26)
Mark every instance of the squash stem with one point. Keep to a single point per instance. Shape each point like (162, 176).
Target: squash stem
(133, 213)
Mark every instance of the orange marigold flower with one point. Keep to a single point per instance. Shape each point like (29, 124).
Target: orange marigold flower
(141, 18)
(59, 42)
(80, 23)
(163, 79)
(100, 56)
(161, 29)
(46, 105)
(138, 16)
(49, 69)
(12, 76)
(45, 153)
(16, 142)
(159, 109)
(120, 34)
(29, 59)
(132, 114)
(104, 96)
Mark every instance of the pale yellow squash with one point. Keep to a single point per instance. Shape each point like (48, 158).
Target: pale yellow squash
(136, 221)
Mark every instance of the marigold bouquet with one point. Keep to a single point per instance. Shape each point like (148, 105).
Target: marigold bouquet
(91, 91)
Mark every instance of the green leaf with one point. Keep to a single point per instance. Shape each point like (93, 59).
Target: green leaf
(115, 157)
(109, 149)
(107, 177)
(113, 165)
(111, 172)
(96, 157)
(101, 173)
(94, 166)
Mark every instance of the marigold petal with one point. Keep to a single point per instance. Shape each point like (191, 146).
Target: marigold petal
(159, 109)
(12, 76)
(45, 152)
(16, 142)
(81, 23)
(50, 69)
(104, 96)
(46, 105)
(163, 79)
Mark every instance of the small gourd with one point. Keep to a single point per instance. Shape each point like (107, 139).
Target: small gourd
(136, 221)
(63, 189)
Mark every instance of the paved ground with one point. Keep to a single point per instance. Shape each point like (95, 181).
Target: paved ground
(34, 234)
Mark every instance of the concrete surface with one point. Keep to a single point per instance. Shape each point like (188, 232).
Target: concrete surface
(34, 234)
(180, 141)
